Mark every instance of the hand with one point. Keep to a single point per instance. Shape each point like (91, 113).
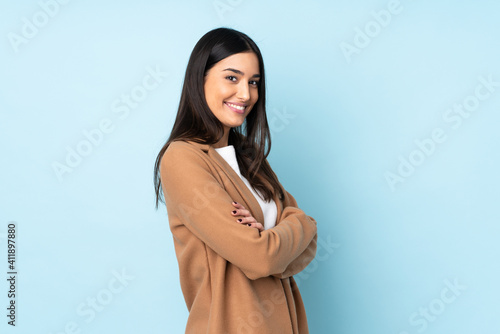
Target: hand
(247, 217)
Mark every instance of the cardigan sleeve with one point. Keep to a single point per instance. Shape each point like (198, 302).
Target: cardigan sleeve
(194, 197)
(301, 262)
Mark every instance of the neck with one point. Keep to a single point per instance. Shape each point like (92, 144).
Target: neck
(223, 141)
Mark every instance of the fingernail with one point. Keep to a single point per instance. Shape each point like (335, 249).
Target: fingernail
(234, 211)
(240, 220)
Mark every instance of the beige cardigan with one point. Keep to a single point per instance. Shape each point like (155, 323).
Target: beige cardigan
(234, 278)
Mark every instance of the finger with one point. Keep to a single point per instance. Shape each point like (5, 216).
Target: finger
(244, 212)
(257, 226)
(241, 212)
(251, 222)
(238, 205)
(247, 220)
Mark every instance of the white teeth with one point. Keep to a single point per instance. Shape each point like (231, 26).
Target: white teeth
(235, 106)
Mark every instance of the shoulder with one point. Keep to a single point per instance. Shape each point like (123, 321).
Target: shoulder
(183, 152)
(185, 147)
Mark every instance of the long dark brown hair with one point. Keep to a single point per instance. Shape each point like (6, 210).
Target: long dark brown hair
(195, 121)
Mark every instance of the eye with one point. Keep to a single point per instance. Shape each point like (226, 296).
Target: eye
(254, 83)
(231, 77)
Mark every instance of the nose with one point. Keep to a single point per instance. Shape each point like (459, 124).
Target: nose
(243, 91)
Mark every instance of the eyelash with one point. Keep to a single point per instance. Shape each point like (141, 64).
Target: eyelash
(232, 76)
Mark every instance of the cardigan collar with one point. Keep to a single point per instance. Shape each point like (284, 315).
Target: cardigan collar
(254, 206)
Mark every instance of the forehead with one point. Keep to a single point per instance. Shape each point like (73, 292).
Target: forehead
(241, 61)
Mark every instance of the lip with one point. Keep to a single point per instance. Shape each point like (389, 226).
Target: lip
(234, 109)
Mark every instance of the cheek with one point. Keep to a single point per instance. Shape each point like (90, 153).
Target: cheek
(212, 94)
(218, 94)
(255, 96)
(224, 92)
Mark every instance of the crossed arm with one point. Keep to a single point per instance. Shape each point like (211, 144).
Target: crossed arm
(194, 195)
(300, 262)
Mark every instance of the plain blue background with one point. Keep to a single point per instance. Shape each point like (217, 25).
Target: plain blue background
(342, 121)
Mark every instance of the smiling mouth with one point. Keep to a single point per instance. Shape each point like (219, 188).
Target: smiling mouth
(240, 109)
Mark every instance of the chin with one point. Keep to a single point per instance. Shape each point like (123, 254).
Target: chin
(234, 125)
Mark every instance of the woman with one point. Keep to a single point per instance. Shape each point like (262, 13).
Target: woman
(239, 236)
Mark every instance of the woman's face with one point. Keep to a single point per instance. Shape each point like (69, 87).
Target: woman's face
(231, 88)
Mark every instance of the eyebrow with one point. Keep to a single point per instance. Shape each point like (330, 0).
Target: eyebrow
(241, 73)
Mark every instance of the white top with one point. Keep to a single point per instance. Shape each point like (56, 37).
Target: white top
(268, 208)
